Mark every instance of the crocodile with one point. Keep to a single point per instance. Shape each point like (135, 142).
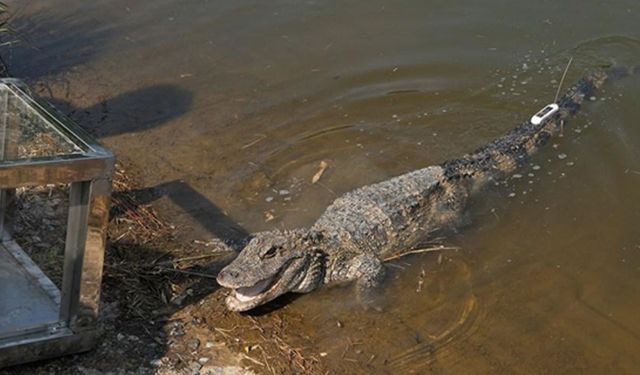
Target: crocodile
(353, 236)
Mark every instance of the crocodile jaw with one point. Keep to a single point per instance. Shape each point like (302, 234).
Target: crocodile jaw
(250, 293)
(248, 297)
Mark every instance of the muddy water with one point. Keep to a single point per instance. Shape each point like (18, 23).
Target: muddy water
(229, 108)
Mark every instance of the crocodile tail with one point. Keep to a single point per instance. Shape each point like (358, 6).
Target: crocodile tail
(501, 157)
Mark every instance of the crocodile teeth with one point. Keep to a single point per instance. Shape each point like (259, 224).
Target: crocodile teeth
(250, 292)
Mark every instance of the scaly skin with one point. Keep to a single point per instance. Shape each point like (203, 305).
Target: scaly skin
(362, 227)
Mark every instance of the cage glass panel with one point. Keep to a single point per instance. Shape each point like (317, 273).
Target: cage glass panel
(39, 225)
(32, 259)
(25, 133)
(24, 305)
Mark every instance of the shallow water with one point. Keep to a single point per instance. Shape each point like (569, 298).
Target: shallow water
(231, 107)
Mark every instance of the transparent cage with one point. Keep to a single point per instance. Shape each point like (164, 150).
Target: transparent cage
(55, 186)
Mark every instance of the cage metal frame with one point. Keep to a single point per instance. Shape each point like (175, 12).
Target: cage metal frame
(89, 175)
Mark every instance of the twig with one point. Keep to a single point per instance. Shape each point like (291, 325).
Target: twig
(260, 138)
(186, 259)
(419, 251)
(396, 266)
(562, 79)
(328, 189)
(222, 332)
(266, 361)
(191, 273)
(252, 360)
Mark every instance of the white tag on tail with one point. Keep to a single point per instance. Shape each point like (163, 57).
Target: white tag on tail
(544, 114)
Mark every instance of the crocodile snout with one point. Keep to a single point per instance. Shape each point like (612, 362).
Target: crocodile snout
(227, 276)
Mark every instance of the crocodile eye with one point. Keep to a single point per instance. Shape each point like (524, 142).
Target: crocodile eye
(270, 253)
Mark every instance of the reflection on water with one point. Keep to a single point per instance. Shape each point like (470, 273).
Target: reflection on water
(547, 278)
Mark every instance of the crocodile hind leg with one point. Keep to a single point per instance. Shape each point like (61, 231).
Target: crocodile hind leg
(369, 273)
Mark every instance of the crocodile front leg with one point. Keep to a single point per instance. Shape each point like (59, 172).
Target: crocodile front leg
(368, 273)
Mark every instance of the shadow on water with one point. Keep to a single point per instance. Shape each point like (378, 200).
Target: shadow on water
(132, 112)
(50, 45)
(47, 45)
(199, 208)
(207, 214)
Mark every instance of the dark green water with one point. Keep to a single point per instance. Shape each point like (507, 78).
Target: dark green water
(243, 100)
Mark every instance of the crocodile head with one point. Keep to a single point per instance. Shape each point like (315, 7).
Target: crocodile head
(273, 263)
